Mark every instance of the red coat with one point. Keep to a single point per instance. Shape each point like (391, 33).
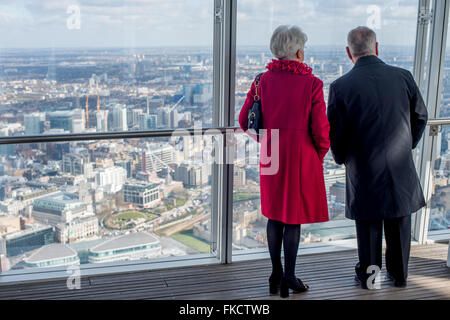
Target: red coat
(292, 101)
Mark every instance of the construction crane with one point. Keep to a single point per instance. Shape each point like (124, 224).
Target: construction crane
(98, 103)
(176, 104)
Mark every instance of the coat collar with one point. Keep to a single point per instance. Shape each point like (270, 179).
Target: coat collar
(364, 61)
(289, 66)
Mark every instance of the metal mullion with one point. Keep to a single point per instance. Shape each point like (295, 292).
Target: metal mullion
(216, 224)
(224, 46)
(226, 174)
(434, 88)
(421, 41)
(419, 66)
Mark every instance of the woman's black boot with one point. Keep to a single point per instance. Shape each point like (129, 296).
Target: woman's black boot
(284, 289)
(297, 286)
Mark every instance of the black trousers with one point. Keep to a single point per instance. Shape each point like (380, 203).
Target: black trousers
(397, 234)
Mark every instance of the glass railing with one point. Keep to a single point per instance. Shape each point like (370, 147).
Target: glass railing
(249, 225)
(96, 201)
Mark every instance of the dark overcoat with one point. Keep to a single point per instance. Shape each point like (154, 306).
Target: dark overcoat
(377, 117)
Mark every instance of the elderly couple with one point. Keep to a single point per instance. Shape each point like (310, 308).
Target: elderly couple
(375, 118)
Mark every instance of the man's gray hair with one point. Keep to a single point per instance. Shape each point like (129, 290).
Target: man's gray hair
(286, 41)
(361, 41)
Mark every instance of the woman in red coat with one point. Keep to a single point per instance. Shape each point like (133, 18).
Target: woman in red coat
(293, 107)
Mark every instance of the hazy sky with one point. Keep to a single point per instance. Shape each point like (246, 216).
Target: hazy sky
(142, 23)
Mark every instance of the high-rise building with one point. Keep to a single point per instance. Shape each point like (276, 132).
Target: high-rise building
(111, 179)
(119, 118)
(34, 236)
(173, 119)
(156, 157)
(77, 164)
(73, 219)
(146, 121)
(192, 176)
(34, 123)
(3, 263)
(68, 120)
(239, 179)
(102, 120)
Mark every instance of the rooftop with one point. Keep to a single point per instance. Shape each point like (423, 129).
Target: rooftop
(60, 201)
(51, 252)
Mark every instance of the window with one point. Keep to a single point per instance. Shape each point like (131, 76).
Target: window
(439, 206)
(101, 66)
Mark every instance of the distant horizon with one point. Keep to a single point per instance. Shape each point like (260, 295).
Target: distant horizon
(238, 47)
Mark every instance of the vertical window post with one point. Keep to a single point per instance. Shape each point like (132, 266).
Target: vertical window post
(223, 116)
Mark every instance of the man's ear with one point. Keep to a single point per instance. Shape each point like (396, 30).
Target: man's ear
(376, 48)
(349, 53)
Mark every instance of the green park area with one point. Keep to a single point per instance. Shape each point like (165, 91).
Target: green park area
(123, 218)
(244, 196)
(187, 238)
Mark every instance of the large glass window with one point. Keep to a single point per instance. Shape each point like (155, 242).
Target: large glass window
(439, 206)
(98, 66)
(326, 23)
(440, 193)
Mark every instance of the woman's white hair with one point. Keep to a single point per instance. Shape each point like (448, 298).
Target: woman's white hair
(286, 41)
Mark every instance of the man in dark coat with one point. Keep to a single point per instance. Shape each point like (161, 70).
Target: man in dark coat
(377, 117)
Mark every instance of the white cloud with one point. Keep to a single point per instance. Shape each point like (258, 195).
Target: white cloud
(184, 22)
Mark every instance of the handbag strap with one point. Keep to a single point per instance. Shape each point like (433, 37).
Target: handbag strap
(257, 81)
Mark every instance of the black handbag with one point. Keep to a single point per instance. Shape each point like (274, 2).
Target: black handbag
(255, 113)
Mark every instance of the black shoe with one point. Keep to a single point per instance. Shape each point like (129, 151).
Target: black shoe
(362, 284)
(274, 283)
(397, 283)
(389, 277)
(400, 284)
(297, 286)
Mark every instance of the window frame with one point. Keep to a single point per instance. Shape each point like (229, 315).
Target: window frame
(224, 71)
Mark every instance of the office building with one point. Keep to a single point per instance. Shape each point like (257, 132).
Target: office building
(77, 164)
(34, 123)
(141, 194)
(192, 175)
(111, 179)
(102, 120)
(119, 118)
(156, 157)
(139, 245)
(34, 236)
(69, 120)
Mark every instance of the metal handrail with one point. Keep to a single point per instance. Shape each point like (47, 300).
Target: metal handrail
(139, 134)
(439, 121)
